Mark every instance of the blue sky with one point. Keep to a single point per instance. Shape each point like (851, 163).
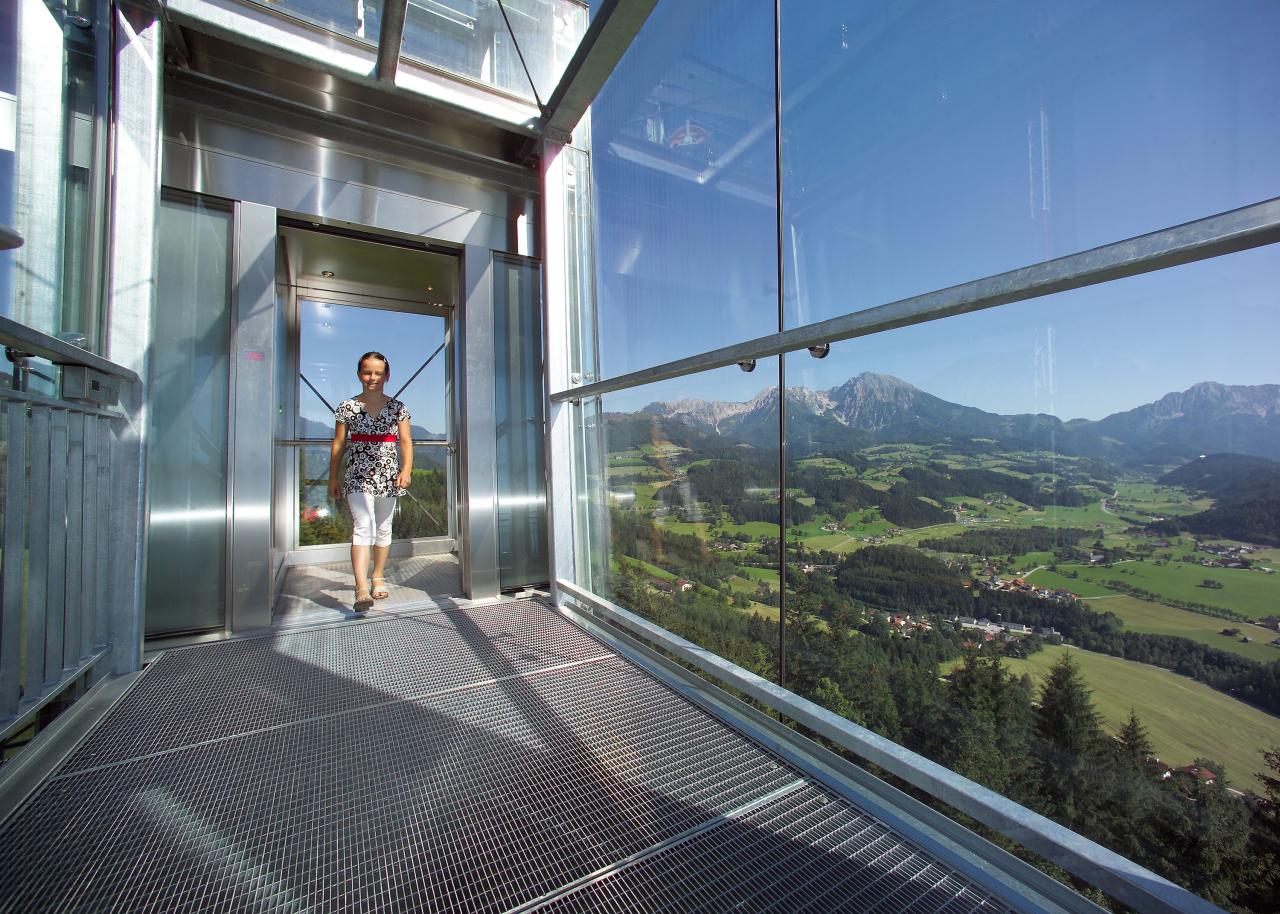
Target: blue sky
(929, 144)
(335, 336)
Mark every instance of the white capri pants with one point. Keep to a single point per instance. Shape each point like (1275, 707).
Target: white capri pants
(371, 515)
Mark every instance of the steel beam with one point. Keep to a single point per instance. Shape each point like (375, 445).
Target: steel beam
(611, 32)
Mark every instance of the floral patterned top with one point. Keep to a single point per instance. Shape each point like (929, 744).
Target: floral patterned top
(372, 465)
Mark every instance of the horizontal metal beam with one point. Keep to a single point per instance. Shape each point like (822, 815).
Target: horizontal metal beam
(1237, 230)
(613, 28)
(60, 352)
(1115, 875)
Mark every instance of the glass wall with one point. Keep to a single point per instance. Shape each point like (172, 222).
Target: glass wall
(685, 187)
(679, 510)
(1037, 543)
(50, 131)
(189, 424)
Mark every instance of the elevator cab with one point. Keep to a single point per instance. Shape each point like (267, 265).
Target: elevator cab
(287, 246)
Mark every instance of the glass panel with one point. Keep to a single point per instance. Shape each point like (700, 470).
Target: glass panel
(187, 460)
(685, 205)
(470, 38)
(679, 482)
(926, 146)
(333, 339)
(48, 95)
(518, 413)
(361, 19)
(422, 513)
(1015, 545)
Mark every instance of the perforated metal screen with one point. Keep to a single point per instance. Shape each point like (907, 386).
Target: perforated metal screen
(481, 760)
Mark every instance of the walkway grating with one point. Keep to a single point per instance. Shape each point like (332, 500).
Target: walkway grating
(476, 761)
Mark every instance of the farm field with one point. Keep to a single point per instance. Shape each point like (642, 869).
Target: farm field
(1140, 616)
(1251, 593)
(1185, 719)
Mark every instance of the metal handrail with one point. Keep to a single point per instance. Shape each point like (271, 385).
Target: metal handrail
(1227, 233)
(35, 343)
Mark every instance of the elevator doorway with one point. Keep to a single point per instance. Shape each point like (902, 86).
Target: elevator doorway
(339, 298)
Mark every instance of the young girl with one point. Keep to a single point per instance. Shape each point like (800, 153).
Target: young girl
(374, 429)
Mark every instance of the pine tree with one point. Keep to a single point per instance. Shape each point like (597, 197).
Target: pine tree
(1134, 746)
(1067, 718)
(1071, 784)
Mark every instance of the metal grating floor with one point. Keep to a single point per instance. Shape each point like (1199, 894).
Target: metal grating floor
(478, 761)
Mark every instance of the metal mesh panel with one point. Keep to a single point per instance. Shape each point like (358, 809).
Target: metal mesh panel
(474, 801)
(219, 690)
(805, 851)
(473, 761)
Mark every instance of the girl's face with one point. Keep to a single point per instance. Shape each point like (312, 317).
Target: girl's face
(372, 375)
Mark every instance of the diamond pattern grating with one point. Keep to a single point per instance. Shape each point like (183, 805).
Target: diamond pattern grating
(468, 761)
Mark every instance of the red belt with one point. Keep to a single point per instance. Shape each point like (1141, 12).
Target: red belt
(374, 438)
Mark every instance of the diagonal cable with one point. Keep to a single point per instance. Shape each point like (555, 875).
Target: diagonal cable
(516, 41)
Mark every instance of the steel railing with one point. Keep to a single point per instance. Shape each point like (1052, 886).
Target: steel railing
(69, 501)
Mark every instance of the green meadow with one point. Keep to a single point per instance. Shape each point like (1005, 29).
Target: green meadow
(1186, 719)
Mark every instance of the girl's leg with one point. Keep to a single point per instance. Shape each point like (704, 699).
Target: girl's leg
(384, 511)
(363, 533)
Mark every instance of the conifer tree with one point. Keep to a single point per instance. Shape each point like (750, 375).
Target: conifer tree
(1134, 744)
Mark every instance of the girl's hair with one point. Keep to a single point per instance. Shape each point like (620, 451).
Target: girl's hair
(386, 365)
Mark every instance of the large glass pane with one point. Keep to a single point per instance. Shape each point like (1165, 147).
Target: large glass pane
(677, 491)
(685, 205)
(333, 337)
(48, 119)
(421, 513)
(929, 144)
(187, 456)
(361, 19)
(1043, 550)
(518, 415)
(471, 38)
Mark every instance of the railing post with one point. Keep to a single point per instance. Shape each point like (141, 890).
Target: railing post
(15, 530)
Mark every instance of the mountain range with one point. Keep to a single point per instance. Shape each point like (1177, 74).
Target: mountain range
(876, 408)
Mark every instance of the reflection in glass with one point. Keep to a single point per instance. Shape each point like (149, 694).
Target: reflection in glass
(48, 122)
(678, 492)
(471, 38)
(187, 455)
(923, 148)
(685, 205)
(360, 19)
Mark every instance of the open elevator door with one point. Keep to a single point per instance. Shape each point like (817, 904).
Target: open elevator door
(340, 297)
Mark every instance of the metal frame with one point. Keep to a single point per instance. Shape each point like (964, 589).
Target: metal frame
(473, 324)
(390, 36)
(1237, 230)
(350, 296)
(1117, 876)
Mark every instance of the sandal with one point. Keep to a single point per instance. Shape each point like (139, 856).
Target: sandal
(363, 602)
(380, 591)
